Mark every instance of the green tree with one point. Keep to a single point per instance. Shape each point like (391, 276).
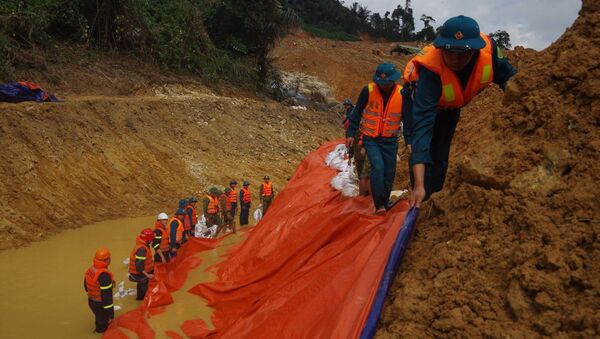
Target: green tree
(428, 32)
(502, 39)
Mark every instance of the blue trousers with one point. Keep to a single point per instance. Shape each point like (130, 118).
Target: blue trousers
(232, 210)
(443, 132)
(382, 154)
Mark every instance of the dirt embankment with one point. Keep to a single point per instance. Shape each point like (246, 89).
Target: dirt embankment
(510, 247)
(130, 141)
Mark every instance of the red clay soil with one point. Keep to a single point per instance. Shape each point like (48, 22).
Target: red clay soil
(510, 247)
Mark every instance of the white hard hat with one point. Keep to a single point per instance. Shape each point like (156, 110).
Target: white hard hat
(162, 216)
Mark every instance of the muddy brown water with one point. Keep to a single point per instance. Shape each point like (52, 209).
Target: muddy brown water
(42, 293)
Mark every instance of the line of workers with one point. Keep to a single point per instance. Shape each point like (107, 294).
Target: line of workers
(168, 236)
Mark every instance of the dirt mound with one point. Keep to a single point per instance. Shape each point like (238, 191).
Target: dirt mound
(510, 247)
(345, 66)
(92, 158)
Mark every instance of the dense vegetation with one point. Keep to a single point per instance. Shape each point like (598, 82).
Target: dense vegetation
(226, 40)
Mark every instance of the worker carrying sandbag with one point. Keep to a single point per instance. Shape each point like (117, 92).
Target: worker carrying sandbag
(245, 200)
(266, 193)
(161, 246)
(141, 263)
(442, 79)
(99, 283)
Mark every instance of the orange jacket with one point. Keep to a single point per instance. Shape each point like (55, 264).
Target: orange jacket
(247, 197)
(180, 228)
(213, 205)
(378, 120)
(91, 279)
(187, 223)
(232, 196)
(163, 237)
(453, 94)
(267, 189)
(148, 259)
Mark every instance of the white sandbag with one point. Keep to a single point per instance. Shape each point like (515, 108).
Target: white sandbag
(200, 227)
(350, 190)
(121, 293)
(117, 307)
(126, 261)
(258, 214)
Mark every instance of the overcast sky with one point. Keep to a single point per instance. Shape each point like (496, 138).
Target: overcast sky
(530, 23)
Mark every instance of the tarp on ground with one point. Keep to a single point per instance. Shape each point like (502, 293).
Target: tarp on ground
(24, 91)
(311, 268)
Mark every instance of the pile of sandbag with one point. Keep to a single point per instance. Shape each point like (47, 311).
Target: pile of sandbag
(346, 180)
(201, 230)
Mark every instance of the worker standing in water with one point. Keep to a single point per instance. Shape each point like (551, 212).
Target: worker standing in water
(176, 231)
(191, 217)
(245, 200)
(162, 249)
(98, 283)
(266, 193)
(141, 262)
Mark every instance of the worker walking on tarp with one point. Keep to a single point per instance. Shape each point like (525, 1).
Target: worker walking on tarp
(98, 283)
(444, 78)
(191, 217)
(267, 194)
(211, 208)
(141, 263)
(232, 197)
(176, 231)
(245, 200)
(378, 115)
(162, 249)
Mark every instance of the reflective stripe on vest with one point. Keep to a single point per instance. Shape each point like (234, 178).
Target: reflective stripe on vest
(163, 237)
(93, 286)
(378, 120)
(213, 205)
(148, 260)
(267, 189)
(246, 197)
(453, 95)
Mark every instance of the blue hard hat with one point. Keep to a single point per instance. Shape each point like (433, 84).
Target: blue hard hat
(459, 33)
(386, 73)
(347, 102)
(180, 211)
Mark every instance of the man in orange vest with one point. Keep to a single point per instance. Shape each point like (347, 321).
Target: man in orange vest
(245, 202)
(267, 194)
(176, 231)
(211, 208)
(98, 283)
(191, 217)
(378, 115)
(232, 197)
(162, 249)
(141, 263)
(442, 79)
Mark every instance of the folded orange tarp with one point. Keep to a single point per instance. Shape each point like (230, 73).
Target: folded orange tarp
(312, 266)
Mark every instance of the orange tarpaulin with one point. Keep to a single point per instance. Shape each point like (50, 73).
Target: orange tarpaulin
(310, 269)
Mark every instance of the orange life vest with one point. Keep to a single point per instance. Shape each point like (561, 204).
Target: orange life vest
(148, 260)
(225, 204)
(378, 120)
(213, 205)
(94, 289)
(186, 221)
(267, 189)
(232, 196)
(246, 197)
(453, 94)
(163, 237)
(180, 228)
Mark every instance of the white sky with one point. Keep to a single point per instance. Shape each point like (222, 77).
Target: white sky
(530, 23)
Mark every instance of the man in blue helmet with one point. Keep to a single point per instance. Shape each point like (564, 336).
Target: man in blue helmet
(442, 79)
(377, 117)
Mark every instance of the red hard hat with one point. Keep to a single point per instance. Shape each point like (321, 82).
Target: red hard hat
(147, 235)
(102, 253)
